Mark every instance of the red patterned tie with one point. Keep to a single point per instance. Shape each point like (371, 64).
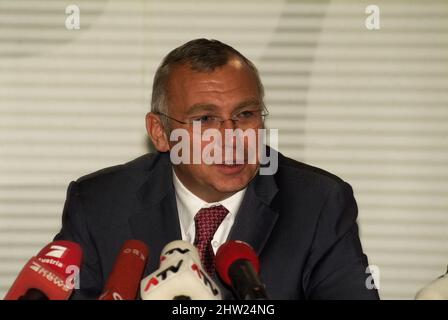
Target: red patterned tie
(207, 221)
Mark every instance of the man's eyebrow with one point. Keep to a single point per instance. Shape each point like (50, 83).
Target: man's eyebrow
(212, 107)
(249, 103)
(201, 107)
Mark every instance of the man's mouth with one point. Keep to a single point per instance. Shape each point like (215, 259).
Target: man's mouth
(230, 168)
(233, 162)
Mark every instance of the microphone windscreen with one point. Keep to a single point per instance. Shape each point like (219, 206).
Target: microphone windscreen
(179, 247)
(61, 254)
(230, 252)
(124, 280)
(48, 275)
(179, 277)
(436, 290)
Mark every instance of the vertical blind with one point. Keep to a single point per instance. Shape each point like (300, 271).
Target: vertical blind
(367, 105)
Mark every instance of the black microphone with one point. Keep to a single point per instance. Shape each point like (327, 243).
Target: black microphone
(238, 266)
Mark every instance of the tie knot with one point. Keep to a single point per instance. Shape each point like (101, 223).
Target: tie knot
(208, 220)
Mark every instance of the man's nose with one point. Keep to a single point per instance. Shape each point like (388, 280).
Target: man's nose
(229, 139)
(228, 124)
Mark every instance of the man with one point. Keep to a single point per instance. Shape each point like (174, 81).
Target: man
(300, 220)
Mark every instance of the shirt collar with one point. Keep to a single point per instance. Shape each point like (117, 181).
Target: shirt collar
(188, 204)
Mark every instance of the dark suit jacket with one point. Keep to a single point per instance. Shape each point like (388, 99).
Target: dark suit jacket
(301, 222)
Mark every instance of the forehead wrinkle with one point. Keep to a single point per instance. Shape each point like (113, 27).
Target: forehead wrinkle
(213, 107)
(249, 102)
(202, 107)
(216, 87)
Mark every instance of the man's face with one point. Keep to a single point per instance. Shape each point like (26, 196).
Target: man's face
(226, 91)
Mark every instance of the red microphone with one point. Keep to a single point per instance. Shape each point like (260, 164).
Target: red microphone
(51, 275)
(238, 266)
(124, 280)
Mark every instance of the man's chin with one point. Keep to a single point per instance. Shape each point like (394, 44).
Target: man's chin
(229, 190)
(232, 184)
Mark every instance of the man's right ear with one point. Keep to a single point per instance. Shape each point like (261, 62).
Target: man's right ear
(156, 132)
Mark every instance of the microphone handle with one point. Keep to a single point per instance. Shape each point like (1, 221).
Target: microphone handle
(246, 282)
(33, 294)
(182, 297)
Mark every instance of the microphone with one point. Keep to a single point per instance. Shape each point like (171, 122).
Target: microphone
(125, 277)
(436, 290)
(238, 266)
(50, 275)
(179, 277)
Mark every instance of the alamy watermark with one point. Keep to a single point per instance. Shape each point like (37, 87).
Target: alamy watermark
(373, 280)
(73, 20)
(237, 146)
(372, 22)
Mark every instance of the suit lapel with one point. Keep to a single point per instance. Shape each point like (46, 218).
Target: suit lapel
(157, 222)
(256, 218)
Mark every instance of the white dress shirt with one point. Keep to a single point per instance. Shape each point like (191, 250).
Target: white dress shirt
(189, 204)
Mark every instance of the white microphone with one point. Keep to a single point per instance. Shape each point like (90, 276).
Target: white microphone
(179, 277)
(436, 290)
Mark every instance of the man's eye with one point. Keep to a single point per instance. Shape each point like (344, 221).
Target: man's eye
(204, 119)
(245, 114)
